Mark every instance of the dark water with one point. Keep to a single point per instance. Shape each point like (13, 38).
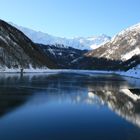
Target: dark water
(69, 106)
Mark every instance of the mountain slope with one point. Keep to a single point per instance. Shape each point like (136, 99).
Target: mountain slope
(62, 56)
(82, 43)
(18, 51)
(122, 47)
(121, 53)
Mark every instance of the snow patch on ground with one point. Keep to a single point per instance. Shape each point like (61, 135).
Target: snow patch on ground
(134, 72)
(28, 70)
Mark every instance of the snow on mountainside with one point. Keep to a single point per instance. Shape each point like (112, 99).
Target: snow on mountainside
(87, 43)
(18, 52)
(62, 56)
(123, 46)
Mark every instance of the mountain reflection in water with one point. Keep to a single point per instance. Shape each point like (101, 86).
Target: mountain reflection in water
(71, 93)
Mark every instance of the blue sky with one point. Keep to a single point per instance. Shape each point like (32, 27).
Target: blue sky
(70, 18)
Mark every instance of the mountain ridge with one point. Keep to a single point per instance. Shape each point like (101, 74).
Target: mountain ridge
(121, 55)
(83, 43)
(123, 46)
(18, 51)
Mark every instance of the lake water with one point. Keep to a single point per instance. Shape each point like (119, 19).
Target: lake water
(66, 106)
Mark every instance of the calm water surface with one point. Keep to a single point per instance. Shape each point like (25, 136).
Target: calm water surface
(69, 106)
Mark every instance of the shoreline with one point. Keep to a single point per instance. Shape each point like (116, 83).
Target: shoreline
(130, 73)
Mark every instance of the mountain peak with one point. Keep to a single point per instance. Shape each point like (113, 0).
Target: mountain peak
(83, 43)
(124, 46)
(135, 27)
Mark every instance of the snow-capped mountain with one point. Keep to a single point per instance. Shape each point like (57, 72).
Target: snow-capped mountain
(121, 53)
(123, 46)
(83, 43)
